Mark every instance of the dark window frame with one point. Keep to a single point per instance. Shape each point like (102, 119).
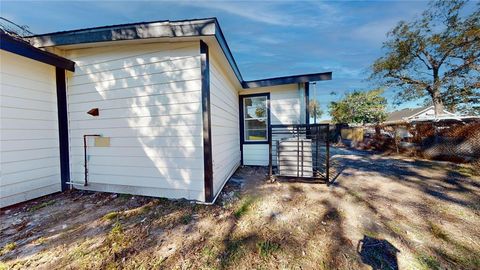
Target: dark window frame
(242, 120)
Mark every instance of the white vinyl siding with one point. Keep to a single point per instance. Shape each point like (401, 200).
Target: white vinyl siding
(29, 155)
(225, 126)
(255, 154)
(149, 98)
(286, 107)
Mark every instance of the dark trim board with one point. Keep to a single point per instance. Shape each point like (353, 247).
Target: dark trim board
(131, 31)
(22, 48)
(63, 127)
(242, 128)
(303, 78)
(207, 123)
(307, 103)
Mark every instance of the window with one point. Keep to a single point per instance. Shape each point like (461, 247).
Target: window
(255, 118)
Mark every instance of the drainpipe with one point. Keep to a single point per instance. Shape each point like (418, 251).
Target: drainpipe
(85, 155)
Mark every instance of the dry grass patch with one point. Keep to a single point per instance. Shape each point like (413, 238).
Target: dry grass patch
(424, 216)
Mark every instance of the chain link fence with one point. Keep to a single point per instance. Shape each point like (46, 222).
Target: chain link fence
(457, 141)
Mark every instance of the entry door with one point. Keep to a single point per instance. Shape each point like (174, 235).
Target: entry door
(255, 128)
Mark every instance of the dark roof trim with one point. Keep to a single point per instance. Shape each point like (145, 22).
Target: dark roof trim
(288, 80)
(159, 29)
(226, 51)
(142, 30)
(20, 47)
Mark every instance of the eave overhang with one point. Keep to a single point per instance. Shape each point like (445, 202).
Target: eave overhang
(167, 29)
(288, 80)
(20, 47)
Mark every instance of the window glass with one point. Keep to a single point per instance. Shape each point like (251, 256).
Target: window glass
(255, 118)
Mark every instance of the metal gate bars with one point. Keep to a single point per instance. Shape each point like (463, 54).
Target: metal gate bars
(299, 151)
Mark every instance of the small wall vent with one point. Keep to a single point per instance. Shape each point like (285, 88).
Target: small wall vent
(94, 112)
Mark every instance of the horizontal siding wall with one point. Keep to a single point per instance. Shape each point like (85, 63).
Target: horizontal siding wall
(29, 155)
(286, 107)
(255, 154)
(225, 125)
(149, 97)
(286, 103)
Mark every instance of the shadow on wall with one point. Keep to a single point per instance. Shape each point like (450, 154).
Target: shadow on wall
(150, 106)
(378, 253)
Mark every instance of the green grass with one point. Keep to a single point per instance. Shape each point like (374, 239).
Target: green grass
(466, 171)
(372, 234)
(437, 231)
(428, 262)
(210, 253)
(3, 266)
(267, 248)
(395, 228)
(116, 237)
(111, 216)
(244, 207)
(8, 247)
(40, 241)
(356, 196)
(234, 250)
(42, 205)
(185, 219)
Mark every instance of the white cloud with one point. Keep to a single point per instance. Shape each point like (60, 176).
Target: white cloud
(268, 40)
(375, 32)
(274, 13)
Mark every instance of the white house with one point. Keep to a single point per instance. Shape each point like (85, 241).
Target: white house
(417, 115)
(157, 109)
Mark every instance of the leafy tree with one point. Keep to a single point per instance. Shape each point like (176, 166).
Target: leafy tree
(315, 110)
(360, 108)
(428, 56)
(464, 101)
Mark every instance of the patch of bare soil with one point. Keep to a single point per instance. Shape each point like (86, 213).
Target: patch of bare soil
(380, 213)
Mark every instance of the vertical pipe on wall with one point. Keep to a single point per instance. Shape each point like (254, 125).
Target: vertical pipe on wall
(85, 156)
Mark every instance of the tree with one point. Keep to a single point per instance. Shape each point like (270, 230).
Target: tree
(463, 100)
(360, 108)
(424, 58)
(315, 110)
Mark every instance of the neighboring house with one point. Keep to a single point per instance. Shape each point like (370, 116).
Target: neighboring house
(169, 114)
(416, 114)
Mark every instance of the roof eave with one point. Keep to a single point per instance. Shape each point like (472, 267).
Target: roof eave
(145, 30)
(288, 80)
(168, 29)
(158, 29)
(24, 49)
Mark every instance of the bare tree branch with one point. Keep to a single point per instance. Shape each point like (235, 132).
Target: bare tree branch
(424, 61)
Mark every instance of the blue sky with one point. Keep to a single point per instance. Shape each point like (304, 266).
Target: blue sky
(268, 39)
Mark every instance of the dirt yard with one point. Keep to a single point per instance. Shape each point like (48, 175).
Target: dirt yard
(380, 213)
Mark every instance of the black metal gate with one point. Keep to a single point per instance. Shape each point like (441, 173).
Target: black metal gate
(300, 151)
